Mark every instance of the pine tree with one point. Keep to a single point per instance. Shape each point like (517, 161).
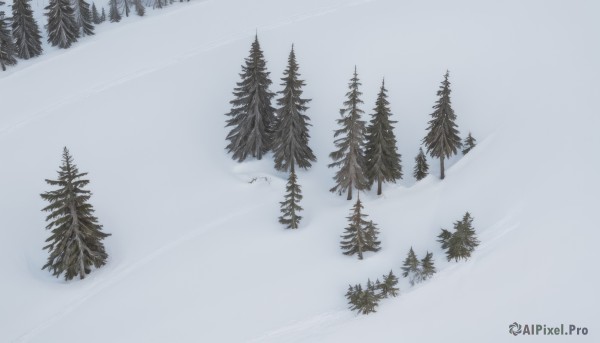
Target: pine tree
(444, 238)
(353, 296)
(157, 4)
(421, 167)
(350, 156)
(113, 12)
(290, 138)
(125, 5)
(252, 117)
(382, 158)
(388, 287)
(8, 50)
(368, 300)
(463, 241)
(360, 235)
(442, 140)
(62, 28)
(427, 267)
(83, 17)
(139, 8)
(469, 144)
(410, 267)
(76, 241)
(25, 30)
(103, 16)
(290, 206)
(95, 15)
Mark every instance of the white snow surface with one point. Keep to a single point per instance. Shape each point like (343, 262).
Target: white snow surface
(196, 252)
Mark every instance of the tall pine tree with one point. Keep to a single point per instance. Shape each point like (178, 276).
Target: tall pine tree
(83, 17)
(410, 268)
(140, 10)
(421, 167)
(95, 15)
(103, 16)
(251, 117)
(442, 140)
(8, 50)
(469, 144)
(76, 241)
(28, 39)
(125, 5)
(113, 12)
(360, 235)
(382, 158)
(290, 206)
(349, 156)
(290, 138)
(62, 28)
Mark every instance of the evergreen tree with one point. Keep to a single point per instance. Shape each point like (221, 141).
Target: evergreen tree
(382, 158)
(444, 238)
(290, 138)
(252, 117)
(25, 30)
(353, 296)
(103, 16)
(62, 28)
(290, 206)
(469, 144)
(442, 140)
(139, 8)
(427, 267)
(95, 15)
(350, 156)
(8, 50)
(125, 5)
(157, 4)
(113, 12)
(421, 167)
(388, 286)
(410, 267)
(76, 241)
(360, 235)
(83, 17)
(368, 299)
(463, 241)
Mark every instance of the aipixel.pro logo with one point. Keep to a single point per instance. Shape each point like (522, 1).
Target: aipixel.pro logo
(516, 329)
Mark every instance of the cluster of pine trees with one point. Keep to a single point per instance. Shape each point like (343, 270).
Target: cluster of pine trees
(417, 270)
(365, 300)
(462, 242)
(68, 20)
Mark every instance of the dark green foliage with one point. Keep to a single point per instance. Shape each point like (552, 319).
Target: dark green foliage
(290, 206)
(444, 238)
(360, 236)
(62, 27)
(463, 241)
(353, 295)
(96, 19)
(469, 144)
(28, 39)
(427, 267)
(76, 241)
(442, 140)
(8, 50)
(290, 138)
(139, 8)
(113, 12)
(388, 287)
(368, 299)
(83, 17)
(382, 158)
(251, 117)
(410, 267)
(421, 167)
(103, 16)
(350, 156)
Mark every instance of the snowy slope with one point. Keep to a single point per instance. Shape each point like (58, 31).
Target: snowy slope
(196, 253)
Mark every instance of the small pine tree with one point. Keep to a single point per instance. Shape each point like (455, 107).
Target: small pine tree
(62, 27)
(427, 267)
(368, 300)
(442, 140)
(463, 241)
(290, 206)
(28, 39)
(353, 295)
(76, 241)
(388, 287)
(83, 17)
(410, 267)
(360, 235)
(113, 12)
(350, 156)
(252, 118)
(444, 238)
(95, 15)
(421, 167)
(382, 158)
(140, 10)
(103, 16)
(8, 50)
(469, 144)
(290, 138)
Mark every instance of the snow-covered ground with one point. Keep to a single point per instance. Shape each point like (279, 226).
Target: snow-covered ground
(196, 252)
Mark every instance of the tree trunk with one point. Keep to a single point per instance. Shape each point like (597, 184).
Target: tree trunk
(349, 192)
(442, 167)
(379, 182)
